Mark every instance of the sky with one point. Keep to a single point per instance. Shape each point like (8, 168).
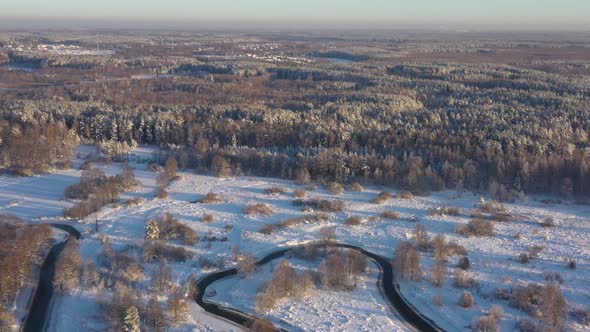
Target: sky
(551, 14)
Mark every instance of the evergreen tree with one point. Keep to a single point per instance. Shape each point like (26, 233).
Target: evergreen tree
(152, 230)
(131, 321)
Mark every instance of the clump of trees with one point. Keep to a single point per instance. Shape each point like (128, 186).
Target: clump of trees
(406, 262)
(286, 282)
(342, 268)
(96, 190)
(68, 269)
(22, 250)
(34, 149)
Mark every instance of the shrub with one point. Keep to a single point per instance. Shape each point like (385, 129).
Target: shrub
(134, 201)
(455, 249)
(155, 250)
(524, 258)
(492, 206)
(155, 167)
(383, 197)
(554, 277)
(259, 209)
(526, 297)
(535, 250)
(326, 205)
(404, 195)
(462, 279)
(452, 211)
(208, 218)
(464, 263)
(477, 227)
(486, 323)
(262, 325)
(212, 198)
(247, 264)
(274, 190)
(162, 193)
(501, 217)
(438, 301)
(390, 215)
(268, 229)
(353, 221)
(571, 264)
(335, 188)
(171, 229)
(548, 222)
(299, 193)
(466, 300)
(356, 187)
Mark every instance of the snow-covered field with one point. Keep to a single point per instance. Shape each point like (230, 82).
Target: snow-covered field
(494, 259)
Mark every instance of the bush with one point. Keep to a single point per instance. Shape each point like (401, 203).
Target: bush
(155, 167)
(524, 258)
(404, 195)
(326, 205)
(548, 222)
(274, 190)
(259, 209)
(208, 218)
(211, 198)
(171, 229)
(335, 188)
(383, 197)
(291, 222)
(156, 250)
(438, 301)
(477, 227)
(134, 201)
(356, 187)
(450, 211)
(162, 193)
(262, 325)
(455, 249)
(462, 279)
(466, 300)
(527, 297)
(464, 263)
(353, 221)
(501, 217)
(390, 215)
(571, 264)
(486, 323)
(299, 193)
(268, 229)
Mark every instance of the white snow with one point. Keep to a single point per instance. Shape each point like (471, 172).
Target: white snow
(494, 259)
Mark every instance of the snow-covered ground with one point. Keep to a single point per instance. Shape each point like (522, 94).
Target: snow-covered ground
(363, 309)
(494, 259)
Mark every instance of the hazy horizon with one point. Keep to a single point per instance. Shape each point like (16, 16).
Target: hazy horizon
(545, 15)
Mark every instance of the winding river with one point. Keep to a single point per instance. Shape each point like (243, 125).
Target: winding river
(387, 284)
(41, 305)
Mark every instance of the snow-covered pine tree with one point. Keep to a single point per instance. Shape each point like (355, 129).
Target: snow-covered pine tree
(131, 322)
(152, 230)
